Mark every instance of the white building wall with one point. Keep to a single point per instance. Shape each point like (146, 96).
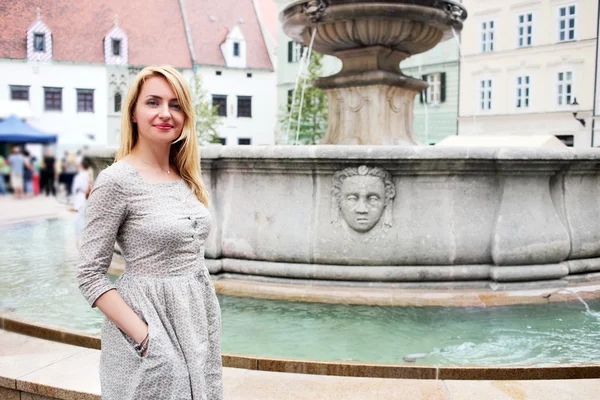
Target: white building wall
(71, 126)
(542, 61)
(260, 128)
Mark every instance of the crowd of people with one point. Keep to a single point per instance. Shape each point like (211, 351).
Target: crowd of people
(29, 176)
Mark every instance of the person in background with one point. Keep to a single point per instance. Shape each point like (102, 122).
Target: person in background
(17, 170)
(36, 176)
(4, 168)
(49, 173)
(70, 169)
(81, 189)
(28, 174)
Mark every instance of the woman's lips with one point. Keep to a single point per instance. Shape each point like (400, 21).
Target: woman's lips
(163, 127)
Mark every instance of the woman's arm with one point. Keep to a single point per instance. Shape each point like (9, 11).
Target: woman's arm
(112, 305)
(105, 212)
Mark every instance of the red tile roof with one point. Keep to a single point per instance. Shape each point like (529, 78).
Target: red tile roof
(154, 28)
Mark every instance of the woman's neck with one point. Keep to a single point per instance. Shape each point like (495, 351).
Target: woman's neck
(152, 153)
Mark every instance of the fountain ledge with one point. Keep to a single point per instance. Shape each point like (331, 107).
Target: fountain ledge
(503, 216)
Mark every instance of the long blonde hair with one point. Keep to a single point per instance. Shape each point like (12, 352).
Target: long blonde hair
(184, 150)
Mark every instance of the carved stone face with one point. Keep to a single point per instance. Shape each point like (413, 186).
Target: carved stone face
(362, 201)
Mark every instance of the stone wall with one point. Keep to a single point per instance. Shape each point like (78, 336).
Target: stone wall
(404, 214)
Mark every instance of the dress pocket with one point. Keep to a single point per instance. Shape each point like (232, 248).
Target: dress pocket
(130, 343)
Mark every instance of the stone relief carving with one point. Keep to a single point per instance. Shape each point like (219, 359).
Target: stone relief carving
(363, 198)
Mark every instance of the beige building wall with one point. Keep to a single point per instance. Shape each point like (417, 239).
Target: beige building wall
(542, 61)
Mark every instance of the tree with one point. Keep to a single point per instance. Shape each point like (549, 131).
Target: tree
(314, 113)
(207, 117)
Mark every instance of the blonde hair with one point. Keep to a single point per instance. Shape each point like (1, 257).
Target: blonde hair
(184, 150)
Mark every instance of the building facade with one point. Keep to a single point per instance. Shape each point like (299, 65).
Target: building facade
(436, 108)
(66, 66)
(527, 67)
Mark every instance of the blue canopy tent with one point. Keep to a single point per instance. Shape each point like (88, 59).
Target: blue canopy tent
(15, 130)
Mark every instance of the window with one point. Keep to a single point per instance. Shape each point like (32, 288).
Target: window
(295, 51)
(433, 91)
(19, 93)
(566, 139)
(52, 99)
(244, 106)
(236, 49)
(223, 141)
(565, 88)
(219, 73)
(436, 91)
(290, 98)
(487, 36)
(116, 47)
(249, 75)
(220, 101)
(485, 94)
(523, 91)
(244, 141)
(525, 29)
(118, 101)
(85, 100)
(566, 23)
(39, 42)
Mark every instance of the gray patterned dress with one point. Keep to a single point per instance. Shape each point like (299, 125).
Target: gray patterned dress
(161, 229)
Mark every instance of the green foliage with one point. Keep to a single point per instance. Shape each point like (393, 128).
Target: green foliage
(207, 118)
(315, 111)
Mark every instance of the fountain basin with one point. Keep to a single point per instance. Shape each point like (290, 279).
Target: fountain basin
(499, 218)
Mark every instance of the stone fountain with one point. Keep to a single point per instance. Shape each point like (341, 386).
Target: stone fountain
(370, 99)
(397, 215)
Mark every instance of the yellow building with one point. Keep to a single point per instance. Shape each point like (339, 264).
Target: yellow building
(527, 66)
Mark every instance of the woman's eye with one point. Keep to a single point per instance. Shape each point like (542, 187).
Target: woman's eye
(351, 198)
(152, 102)
(373, 199)
(176, 106)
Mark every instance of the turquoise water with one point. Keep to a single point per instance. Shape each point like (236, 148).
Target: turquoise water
(37, 267)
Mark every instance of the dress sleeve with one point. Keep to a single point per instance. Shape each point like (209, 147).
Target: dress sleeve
(105, 211)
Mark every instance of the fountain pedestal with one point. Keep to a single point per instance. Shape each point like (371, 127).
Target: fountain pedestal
(370, 100)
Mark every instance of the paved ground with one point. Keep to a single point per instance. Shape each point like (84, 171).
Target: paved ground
(30, 208)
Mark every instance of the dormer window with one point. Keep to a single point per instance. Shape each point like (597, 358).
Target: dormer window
(235, 48)
(116, 47)
(38, 42)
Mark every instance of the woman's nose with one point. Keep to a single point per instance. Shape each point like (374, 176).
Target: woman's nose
(164, 113)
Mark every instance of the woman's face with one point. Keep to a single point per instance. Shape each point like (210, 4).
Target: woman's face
(157, 113)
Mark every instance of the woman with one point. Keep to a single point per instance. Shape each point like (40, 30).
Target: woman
(161, 337)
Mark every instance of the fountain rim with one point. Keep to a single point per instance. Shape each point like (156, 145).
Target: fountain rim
(434, 4)
(12, 323)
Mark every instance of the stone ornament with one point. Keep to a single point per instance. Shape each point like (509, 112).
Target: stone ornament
(362, 196)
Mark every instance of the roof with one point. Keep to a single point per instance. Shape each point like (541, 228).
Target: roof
(155, 29)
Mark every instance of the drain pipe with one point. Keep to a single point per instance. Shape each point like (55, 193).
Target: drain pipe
(595, 108)
(188, 36)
